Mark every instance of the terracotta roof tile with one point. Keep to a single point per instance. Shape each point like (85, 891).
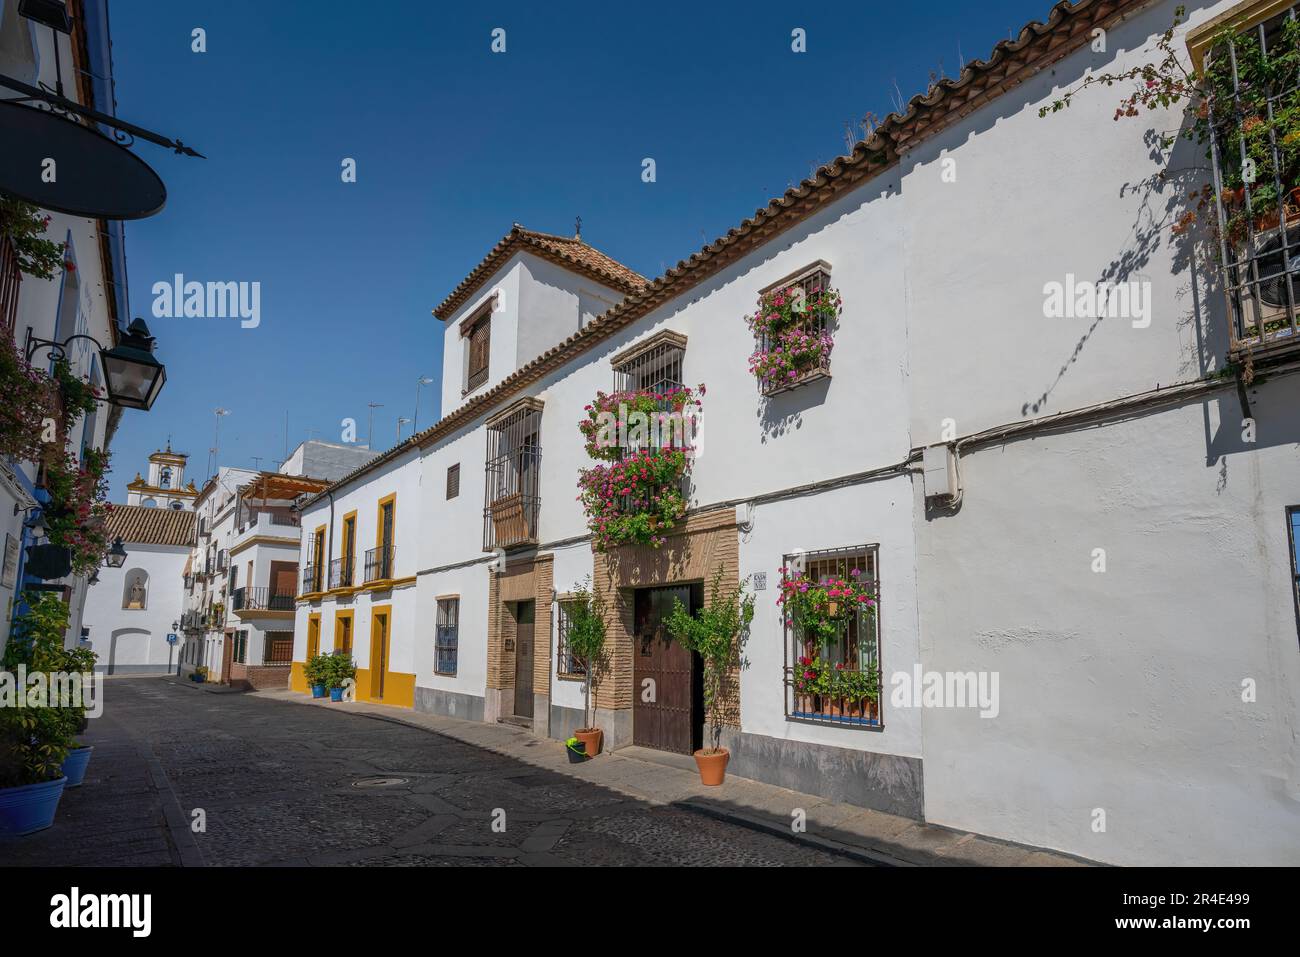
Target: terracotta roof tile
(568, 251)
(151, 526)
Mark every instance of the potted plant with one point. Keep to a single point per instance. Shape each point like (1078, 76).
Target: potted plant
(718, 633)
(794, 331)
(200, 674)
(34, 739)
(806, 675)
(859, 690)
(314, 674)
(586, 640)
(818, 610)
(339, 671)
(77, 661)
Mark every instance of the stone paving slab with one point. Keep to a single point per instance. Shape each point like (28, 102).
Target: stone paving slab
(844, 829)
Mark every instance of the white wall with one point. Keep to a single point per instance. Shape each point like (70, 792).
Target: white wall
(135, 641)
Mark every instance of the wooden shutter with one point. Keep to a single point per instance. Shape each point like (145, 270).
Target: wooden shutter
(453, 480)
(479, 339)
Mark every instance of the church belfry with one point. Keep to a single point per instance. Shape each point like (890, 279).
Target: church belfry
(165, 485)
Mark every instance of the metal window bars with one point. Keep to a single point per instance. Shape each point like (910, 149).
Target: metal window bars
(856, 648)
(567, 664)
(446, 637)
(311, 579)
(1257, 246)
(810, 283)
(512, 478)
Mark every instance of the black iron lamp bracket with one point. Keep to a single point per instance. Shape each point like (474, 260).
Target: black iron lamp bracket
(124, 132)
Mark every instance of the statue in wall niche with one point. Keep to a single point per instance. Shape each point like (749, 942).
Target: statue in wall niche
(135, 597)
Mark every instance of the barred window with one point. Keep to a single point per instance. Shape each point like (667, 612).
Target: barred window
(832, 655)
(446, 637)
(240, 652)
(1253, 85)
(567, 665)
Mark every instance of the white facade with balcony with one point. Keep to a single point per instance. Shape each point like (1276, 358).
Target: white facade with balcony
(1113, 545)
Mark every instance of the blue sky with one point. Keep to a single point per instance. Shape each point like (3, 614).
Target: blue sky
(453, 143)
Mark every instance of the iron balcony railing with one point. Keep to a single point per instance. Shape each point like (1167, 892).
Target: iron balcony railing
(311, 575)
(511, 503)
(342, 572)
(260, 599)
(379, 563)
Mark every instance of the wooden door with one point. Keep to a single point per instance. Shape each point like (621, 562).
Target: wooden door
(227, 655)
(524, 659)
(313, 638)
(378, 655)
(666, 693)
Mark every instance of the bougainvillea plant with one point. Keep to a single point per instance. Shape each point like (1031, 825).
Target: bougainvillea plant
(31, 401)
(601, 427)
(25, 226)
(795, 333)
(817, 610)
(1228, 99)
(77, 514)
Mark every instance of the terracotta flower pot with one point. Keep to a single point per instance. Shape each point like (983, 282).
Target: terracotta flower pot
(712, 765)
(591, 737)
(853, 708)
(804, 704)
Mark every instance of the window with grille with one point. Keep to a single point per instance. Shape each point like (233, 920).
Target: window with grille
(512, 477)
(446, 636)
(477, 342)
(453, 480)
(806, 288)
(1252, 81)
(240, 652)
(824, 676)
(567, 665)
(651, 366)
(1293, 539)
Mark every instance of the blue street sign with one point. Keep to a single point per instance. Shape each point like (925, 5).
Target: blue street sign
(171, 638)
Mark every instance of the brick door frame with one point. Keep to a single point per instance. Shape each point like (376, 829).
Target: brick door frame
(691, 555)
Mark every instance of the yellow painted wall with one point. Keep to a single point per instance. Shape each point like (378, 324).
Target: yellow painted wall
(297, 681)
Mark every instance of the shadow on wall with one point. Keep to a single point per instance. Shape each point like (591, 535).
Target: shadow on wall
(1163, 198)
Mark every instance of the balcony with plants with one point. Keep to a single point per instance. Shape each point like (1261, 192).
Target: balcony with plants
(794, 330)
(642, 442)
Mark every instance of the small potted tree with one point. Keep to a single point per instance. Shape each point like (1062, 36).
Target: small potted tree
(340, 669)
(199, 674)
(586, 640)
(76, 661)
(314, 673)
(718, 633)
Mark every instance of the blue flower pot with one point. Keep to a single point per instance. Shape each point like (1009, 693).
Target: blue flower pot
(336, 694)
(200, 678)
(318, 691)
(28, 809)
(75, 764)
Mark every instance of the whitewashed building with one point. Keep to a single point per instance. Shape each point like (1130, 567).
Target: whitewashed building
(87, 295)
(243, 574)
(1088, 517)
(133, 611)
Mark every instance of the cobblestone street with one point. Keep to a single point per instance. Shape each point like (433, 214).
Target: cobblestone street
(277, 783)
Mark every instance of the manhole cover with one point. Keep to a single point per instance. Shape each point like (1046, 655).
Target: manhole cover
(380, 782)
